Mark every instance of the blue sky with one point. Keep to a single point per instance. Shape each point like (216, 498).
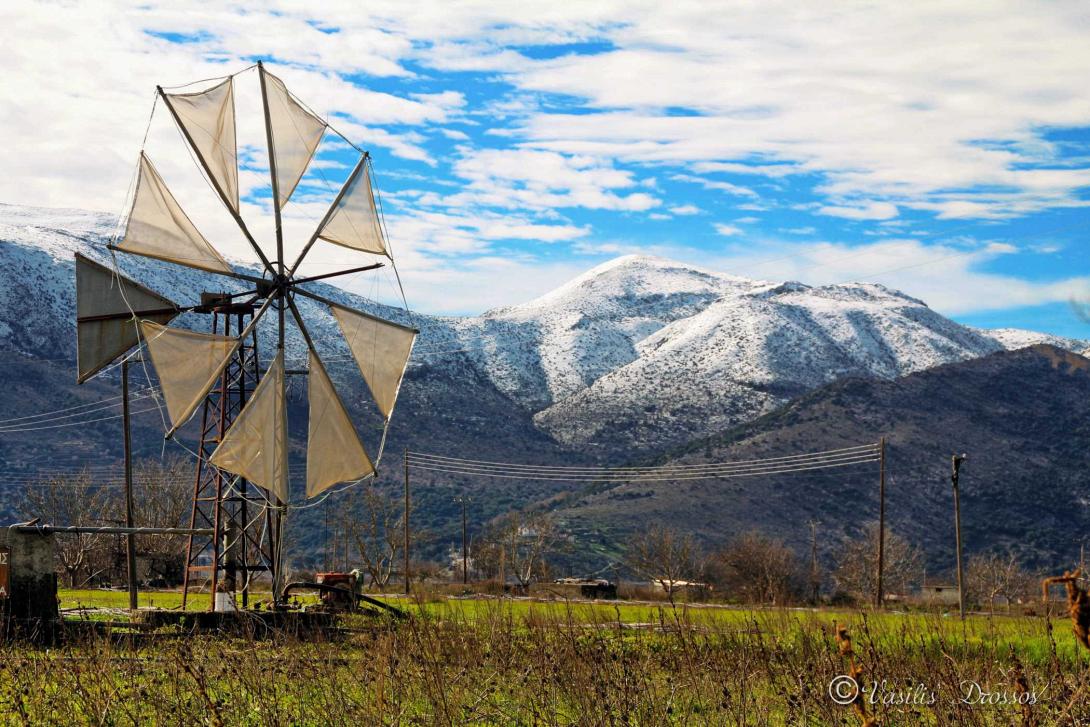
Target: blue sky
(942, 149)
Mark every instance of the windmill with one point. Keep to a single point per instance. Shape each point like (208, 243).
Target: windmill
(244, 435)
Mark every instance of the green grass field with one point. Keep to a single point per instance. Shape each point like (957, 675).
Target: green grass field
(511, 661)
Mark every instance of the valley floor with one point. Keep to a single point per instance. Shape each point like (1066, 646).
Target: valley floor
(493, 661)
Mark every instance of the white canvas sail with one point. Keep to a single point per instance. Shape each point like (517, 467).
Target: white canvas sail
(208, 118)
(334, 451)
(295, 133)
(256, 445)
(157, 227)
(353, 220)
(188, 364)
(381, 350)
(104, 325)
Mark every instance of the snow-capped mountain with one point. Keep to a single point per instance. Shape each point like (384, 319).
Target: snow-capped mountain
(637, 354)
(1015, 338)
(546, 350)
(750, 351)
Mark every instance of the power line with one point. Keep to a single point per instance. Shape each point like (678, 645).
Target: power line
(73, 424)
(96, 407)
(805, 462)
(824, 454)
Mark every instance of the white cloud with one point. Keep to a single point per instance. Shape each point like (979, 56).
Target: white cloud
(733, 189)
(727, 230)
(866, 211)
(938, 108)
(686, 209)
(531, 179)
(891, 102)
(949, 277)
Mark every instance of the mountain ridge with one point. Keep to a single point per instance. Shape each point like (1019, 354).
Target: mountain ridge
(638, 352)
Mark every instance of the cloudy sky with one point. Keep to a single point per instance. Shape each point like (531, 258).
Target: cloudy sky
(940, 148)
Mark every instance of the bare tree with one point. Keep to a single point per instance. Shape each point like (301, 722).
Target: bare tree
(857, 567)
(665, 557)
(757, 569)
(992, 576)
(163, 497)
(378, 532)
(74, 500)
(519, 544)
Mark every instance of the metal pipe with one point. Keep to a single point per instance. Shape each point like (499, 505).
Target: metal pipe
(880, 595)
(130, 545)
(955, 471)
(406, 462)
(108, 530)
(349, 271)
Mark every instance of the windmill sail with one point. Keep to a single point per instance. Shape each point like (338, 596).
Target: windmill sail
(353, 221)
(105, 302)
(381, 350)
(208, 119)
(158, 228)
(256, 445)
(188, 364)
(334, 451)
(294, 133)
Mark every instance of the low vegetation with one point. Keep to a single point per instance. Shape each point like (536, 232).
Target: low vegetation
(497, 661)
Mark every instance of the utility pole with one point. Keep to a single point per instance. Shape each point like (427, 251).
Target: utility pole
(406, 460)
(815, 580)
(878, 595)
(955, 462)
(465, 551)
(130, 544)
(329, 536)
(346, 546)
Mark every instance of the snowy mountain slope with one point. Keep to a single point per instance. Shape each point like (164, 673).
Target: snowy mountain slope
(752, 351)
(1013, 339)
(554, 346)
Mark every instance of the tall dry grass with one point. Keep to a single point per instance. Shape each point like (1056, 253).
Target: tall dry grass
(562, 665)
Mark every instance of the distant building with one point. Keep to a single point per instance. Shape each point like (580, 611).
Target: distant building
(942, 594)
(665, 585)
(587, 587)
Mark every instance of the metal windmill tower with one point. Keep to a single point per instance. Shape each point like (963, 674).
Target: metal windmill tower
(244, 422)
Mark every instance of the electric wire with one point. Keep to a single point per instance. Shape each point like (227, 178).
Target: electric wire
(863, 448)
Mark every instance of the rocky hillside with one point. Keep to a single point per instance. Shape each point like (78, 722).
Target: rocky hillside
(1023, 417)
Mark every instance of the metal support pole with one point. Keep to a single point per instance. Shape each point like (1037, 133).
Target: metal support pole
(106, 530)
(815, 580)
(406, 460)
(465, 551)
(879, 593)
(130, 544)
(231, 541)
(955, 462)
